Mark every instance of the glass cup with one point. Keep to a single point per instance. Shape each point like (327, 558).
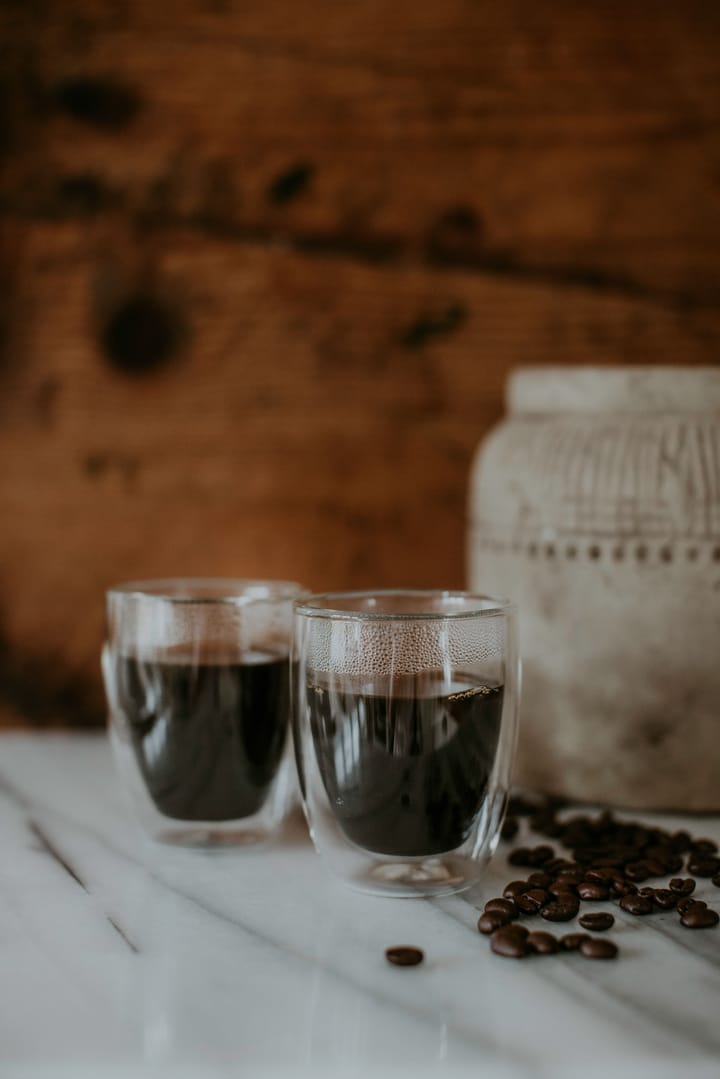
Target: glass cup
(404, 723)
(197, 680)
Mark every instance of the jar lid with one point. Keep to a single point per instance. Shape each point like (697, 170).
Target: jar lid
(614, 389)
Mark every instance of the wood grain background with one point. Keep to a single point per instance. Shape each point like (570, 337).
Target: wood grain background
(265, 268)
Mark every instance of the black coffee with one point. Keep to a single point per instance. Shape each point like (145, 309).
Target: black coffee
(208, 736)
(406, 773)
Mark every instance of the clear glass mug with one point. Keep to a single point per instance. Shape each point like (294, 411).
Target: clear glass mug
(404, 723)
(197, 680)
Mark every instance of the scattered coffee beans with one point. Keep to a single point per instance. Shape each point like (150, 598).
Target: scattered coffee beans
(404, 957)
(607, 859)
(598, 921)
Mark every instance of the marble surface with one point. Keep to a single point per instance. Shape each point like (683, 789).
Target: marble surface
(122, 958)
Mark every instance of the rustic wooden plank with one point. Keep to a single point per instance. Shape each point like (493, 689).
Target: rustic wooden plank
(264, 270)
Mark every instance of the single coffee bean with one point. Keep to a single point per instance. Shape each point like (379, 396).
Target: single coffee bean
(542, 943)
(682, 887)
(509, 943)
(572, 941)
(680, 841)
(705, 866)
(647, 892)
(538, 895)
(664, 899)
(540, 855)
(492, 920)
(597, 948)
(655, 867)
(560, 888)
(589, 889)
(636, 871)
(509, 828)
(685, 904)
(519, 856)
(503, 906)
(562, 910)
(570, 876)
(703, 846)
(672, 863)
(598, 921)
(515, 888)
(404, 957)
(623, 888)
(538, 879)
(636, 904)
(605, 875)
(559, 865)
(697, 917)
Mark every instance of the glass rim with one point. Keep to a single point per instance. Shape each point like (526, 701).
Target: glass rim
(320, 605)
(208, 590)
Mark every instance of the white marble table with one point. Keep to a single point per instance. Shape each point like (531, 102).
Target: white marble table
(120, 958)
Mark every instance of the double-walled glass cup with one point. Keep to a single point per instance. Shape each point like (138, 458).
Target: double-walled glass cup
(404, 714)
(197, 679)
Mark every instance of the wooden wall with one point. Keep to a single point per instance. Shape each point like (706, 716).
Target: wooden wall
(265, 268)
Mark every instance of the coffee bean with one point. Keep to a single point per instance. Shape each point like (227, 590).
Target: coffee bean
(697, 917)
(503, 906)
(673, 863)
(589, 889)
(515, 888)
(647, 892)
(492, 920)
(519, 856)
(597, 948)
(703, 846)
(559, 865)
(509, 942)
(636, 871)
(542, 943)
(655, 867)
(716, 881)
(562, 910)
(598, 921)
(636, 904)
(685, 904)
(682, 887)
(705, 866)
(538, 879)
(509, 828)
(521, 807)
(572, 941)
(530, 902)
(605, 875)
(664, 899)
(559, 889)
(404, 957)
(540, 855)
(570, 876)
(680, 841)
(623, 888)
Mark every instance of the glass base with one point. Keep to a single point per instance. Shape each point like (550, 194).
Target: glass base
(219, 835)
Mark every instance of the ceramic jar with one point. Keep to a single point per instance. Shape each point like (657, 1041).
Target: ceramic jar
(596, 507)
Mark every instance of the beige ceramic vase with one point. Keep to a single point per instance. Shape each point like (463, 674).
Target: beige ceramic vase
(596, 507)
